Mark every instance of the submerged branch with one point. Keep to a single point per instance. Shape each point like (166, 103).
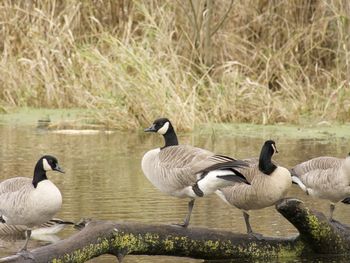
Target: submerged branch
(317, 235)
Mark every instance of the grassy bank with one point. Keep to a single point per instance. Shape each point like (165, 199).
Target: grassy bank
(195, 61)
(74, 119)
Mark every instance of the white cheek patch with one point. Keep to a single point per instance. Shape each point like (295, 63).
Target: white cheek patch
(46, 165)
(164, 129)
(274, 148)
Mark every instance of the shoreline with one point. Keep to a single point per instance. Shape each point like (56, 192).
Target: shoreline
(77, 119)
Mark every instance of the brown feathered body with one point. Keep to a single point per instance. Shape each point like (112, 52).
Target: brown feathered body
(174, 169)
(263, 191)
(324, 177)
(22, 204)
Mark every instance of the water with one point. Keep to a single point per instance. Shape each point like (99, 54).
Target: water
(103, 180)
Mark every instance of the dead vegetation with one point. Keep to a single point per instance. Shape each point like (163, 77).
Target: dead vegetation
(194, 61)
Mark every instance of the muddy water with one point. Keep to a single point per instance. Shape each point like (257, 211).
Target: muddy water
(104, 180)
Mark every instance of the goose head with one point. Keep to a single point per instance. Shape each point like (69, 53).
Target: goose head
(161, 126)
(270, 147)
(267, 151)
(45, 163)
(164, 127)
(49, 163)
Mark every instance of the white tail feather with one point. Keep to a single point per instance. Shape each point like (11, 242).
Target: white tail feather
(210, 183)
(300, 183)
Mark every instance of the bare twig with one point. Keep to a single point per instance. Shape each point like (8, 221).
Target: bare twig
(219, 24)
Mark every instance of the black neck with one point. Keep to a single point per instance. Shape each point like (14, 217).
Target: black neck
(39, 174)
(265, 164)
(170, 137)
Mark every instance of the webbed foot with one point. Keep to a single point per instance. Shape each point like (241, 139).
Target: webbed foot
(26, 254)
(256, 235)
(184, 225)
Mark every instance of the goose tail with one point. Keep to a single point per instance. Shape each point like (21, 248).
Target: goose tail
(215, 180)
(236, 177)
(293, 174)
(297, 181)
(51, 227)
(346, 201)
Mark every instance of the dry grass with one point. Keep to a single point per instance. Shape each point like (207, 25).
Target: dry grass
(242, 61)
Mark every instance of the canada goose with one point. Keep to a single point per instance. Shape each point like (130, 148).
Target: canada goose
(326, 178)
(30, 202)
(268, 184)
(182, 170)
(53, 226)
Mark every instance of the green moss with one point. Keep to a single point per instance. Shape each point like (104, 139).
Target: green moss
(256, 251)
(151, 238)
(291, 251)
(318, 230)
(211, 245)
(146, 242)
(125, 241)
(169, 244)
(86, 253)
(321, 231)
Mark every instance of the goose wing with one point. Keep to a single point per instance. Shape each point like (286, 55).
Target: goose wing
(13, 201)
(6, 230)
(320, 178)
(218, 162)
(319, 163)
(176, 165)
(14, 184)
(185, 162)
(50, 227)
(182, 156)
(251, 170)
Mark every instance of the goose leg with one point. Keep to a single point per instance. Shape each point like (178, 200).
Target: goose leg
(24, 252)
(331, 210)
(188, 216)
(28, 234)
(249, 228)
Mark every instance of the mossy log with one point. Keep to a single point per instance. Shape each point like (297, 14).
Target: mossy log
(317, 236)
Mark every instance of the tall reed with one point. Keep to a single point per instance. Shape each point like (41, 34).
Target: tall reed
(194, 61)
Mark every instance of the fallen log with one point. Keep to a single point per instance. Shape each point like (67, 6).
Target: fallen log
(317, 236)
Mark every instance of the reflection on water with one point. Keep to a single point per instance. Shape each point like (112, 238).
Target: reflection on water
(104, 180)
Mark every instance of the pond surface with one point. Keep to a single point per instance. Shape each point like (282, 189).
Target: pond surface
(103, 180)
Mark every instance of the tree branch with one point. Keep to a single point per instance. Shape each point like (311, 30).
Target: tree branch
(317, 235)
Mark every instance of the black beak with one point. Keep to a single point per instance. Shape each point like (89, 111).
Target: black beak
(58, 169)
(151, 129)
